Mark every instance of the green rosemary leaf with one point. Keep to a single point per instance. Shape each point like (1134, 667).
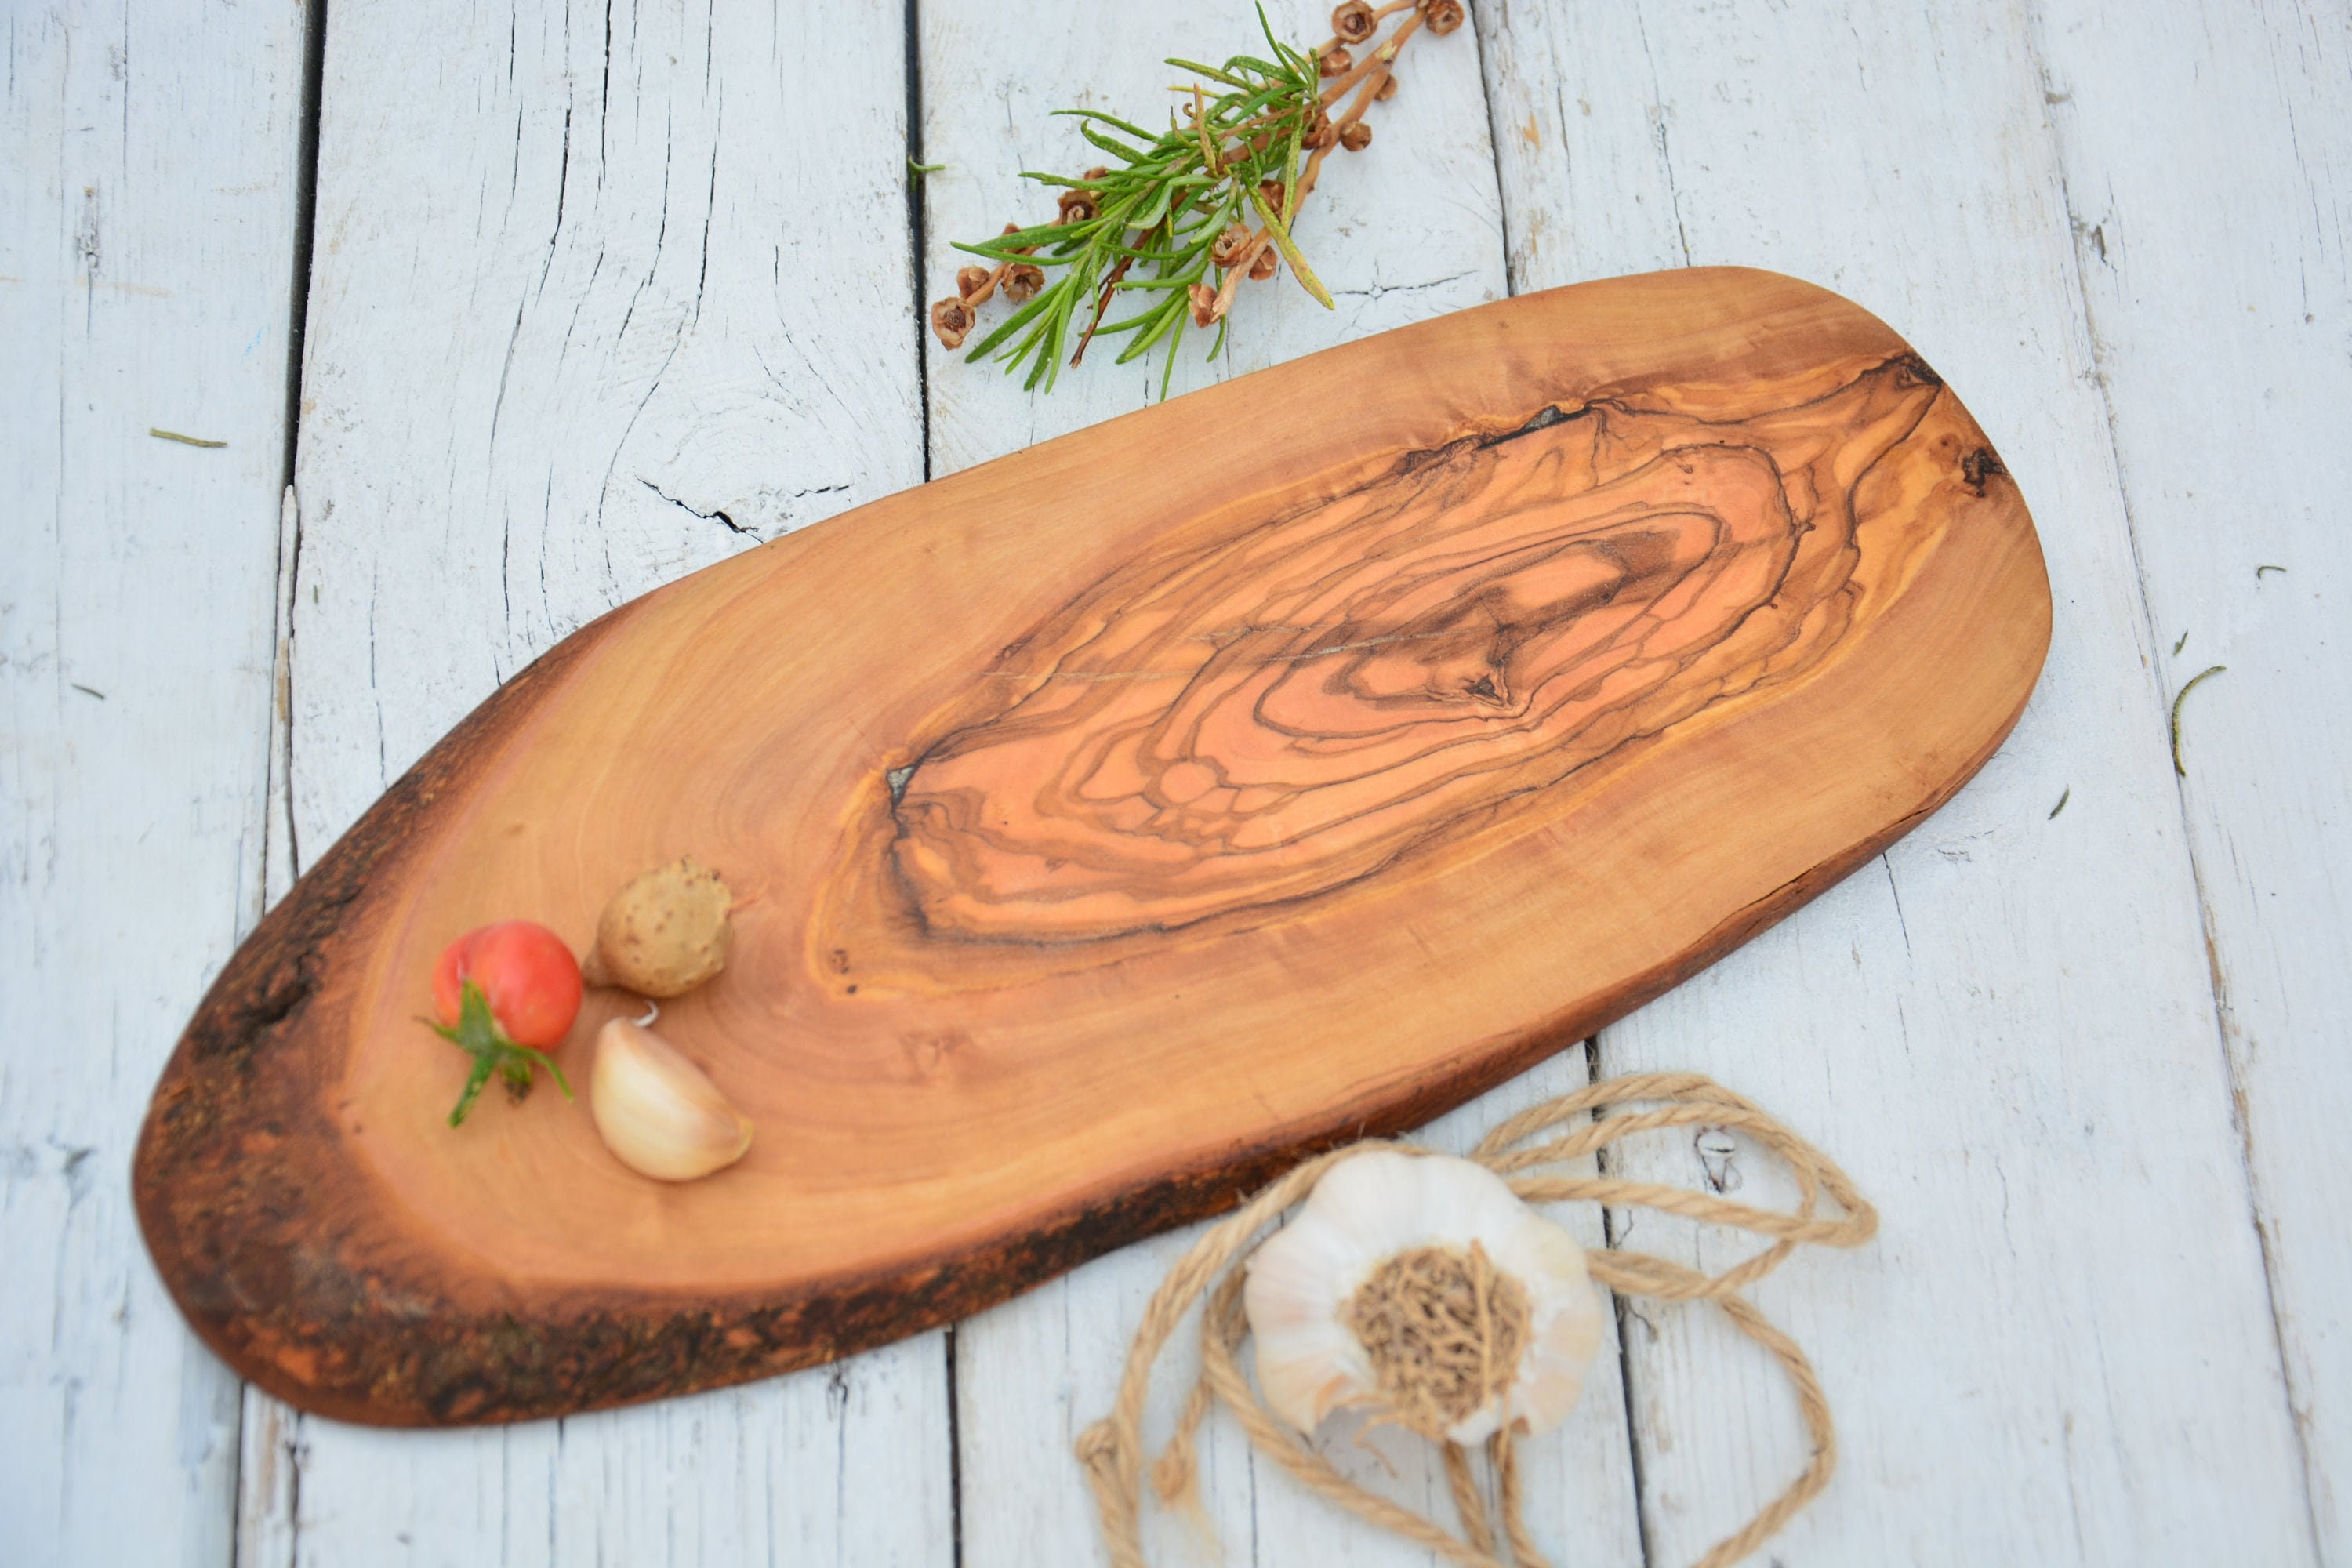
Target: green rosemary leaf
(1212, 72)
(1158, 208)
(1006, 249)
(1017, 321)
(1171, 253)
(1113, 120)
(1167, 317)
(1115, 148)
(1037, 349)
(1266, 27)
(1289, 177)
(1118, 208)
(1036, 234)
(1142, 319)
(1028, 346)
(1168, 370)
(1259, 103)
(1305, 274)
(1048, 366)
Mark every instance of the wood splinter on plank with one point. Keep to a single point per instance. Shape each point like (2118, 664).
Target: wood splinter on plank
(1131, 816)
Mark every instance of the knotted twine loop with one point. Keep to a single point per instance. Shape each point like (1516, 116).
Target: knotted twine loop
(1111, 1450)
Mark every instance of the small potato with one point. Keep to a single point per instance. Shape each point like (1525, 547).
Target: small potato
(665, 934)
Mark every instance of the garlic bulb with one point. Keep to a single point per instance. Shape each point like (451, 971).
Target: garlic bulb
(660, 1114)
(1421, 1287)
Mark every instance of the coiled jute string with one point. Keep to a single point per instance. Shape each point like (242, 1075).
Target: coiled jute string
(1111, 1450)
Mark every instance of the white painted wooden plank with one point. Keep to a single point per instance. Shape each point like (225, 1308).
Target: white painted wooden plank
(2059, 1349)
(603, 294)
(1403, 232)
(147, 212)
(2209, 172)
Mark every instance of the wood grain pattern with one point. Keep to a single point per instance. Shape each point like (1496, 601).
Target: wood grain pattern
(1266, 717)
(947, 1115)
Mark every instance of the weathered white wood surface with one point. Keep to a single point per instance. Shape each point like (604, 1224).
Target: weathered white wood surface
(2060, 1349)
(601, 295)
(147, 215)
(2217, 275)
(587, 281)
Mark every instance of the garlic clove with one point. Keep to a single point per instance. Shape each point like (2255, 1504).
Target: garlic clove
(658, 1112)
(1567, 1326)
(1309, 1364)
(1381, 1204)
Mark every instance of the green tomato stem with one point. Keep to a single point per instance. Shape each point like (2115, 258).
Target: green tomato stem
(478, 1034)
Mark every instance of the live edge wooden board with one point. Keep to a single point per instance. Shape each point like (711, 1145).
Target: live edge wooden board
(1116, 822)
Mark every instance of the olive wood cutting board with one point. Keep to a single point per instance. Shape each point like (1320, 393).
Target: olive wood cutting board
(1114, 823)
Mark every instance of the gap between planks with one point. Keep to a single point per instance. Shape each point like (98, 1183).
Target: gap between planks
(264, 1422)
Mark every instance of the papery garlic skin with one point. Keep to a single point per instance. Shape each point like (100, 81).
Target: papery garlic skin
(1366, 1210)
(658, 1112)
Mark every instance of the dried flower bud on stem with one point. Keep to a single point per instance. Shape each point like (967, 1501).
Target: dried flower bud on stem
(951, 319)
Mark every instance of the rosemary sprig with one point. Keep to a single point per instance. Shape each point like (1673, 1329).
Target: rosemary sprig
(1184, 215)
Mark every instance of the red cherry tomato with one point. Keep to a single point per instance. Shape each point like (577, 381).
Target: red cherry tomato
(527, 975)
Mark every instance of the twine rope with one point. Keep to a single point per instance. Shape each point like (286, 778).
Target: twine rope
(1111, 1450)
